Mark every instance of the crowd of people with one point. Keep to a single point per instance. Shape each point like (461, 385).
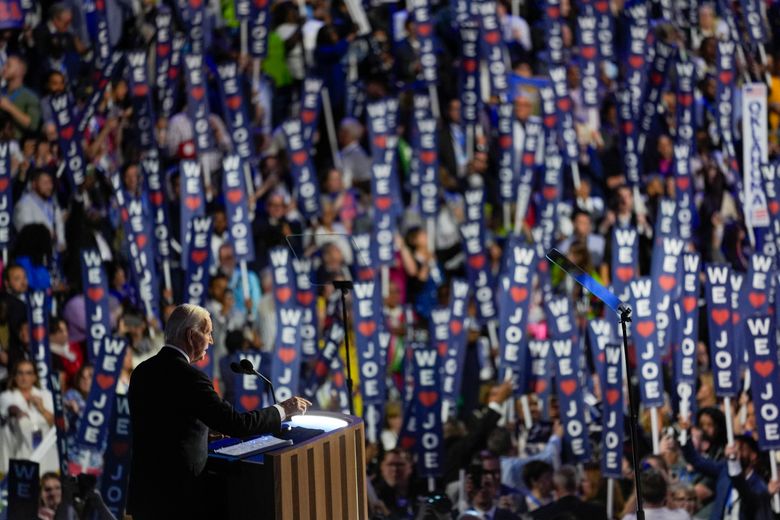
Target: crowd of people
(494, 467)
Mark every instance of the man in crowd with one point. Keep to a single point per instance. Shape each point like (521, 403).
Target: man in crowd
(18, 101)
(567, 503)
(38, 206)
(654, 495)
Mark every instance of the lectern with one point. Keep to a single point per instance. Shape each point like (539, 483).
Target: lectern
(322, 475)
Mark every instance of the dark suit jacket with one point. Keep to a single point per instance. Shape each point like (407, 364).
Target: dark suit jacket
(569, 507)
(753, 493)
(172, 407)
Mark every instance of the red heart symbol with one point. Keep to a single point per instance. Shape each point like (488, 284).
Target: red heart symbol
(308, 116)
(338, 379)
(95, 293)
(549, 192)
(636, 61)
(100, 5)
(519, 294)
(725, 77)
(321, 369)
(383, 203)
(470, 65)
(539, 386)
(492, 37)
(689, 303)
(667, 282)
(553, 11)
(173, 73)
(380, 141)
(628, 127)
(195, 4)
(588, 52)
(234, 196)
(505, 141)
(38, 333)
(199, 256)
(564, 104)
(140, 241)
(542, 267)
(645, 328)
(549, 121)
(428, 398)
(260, 4)
(305, 298)
(528, 159)
(764, 368)
(67, 133)
(456, 327)
(286, 355)
(105, 381)
(124, 214)
(249, 402)
(163, 49)
(612, 396)
(685, 99)
(192, 202)
(3, 183)
(299, 158)
(756, 299)
(140, 90)
(601, 357)
(428, 156)
(568, 386)
(283, 294)
(120, 448)
(624, 273)
(234, 102)
(720, 316)
(656, 78)
(407, 443)
(602, 7)
(683, 183)
(424, 30)
(156, 197)
(198, 92)
(442, 348)
(774, 207)
(367, 328)
(734, 318)
(477, 261)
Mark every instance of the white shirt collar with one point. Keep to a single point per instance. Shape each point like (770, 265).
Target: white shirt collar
(174, 347)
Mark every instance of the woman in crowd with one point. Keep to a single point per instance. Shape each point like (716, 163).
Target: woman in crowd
(28, 412)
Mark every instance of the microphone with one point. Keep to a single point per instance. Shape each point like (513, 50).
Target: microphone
(246, 367)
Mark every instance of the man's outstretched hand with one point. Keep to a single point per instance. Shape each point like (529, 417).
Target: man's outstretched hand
(295, 406)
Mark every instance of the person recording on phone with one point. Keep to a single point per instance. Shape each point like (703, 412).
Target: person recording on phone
(172, 407)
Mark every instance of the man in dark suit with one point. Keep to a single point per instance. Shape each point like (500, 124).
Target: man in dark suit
(172, 407)
(568, 505)
(740, 492)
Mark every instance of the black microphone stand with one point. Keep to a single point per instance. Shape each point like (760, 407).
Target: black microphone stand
(625, 317)
(344, 286)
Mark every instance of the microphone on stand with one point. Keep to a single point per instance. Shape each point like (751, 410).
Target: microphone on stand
(246, 367)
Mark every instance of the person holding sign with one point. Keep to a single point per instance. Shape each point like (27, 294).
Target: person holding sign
(172, 407)
(27, 411)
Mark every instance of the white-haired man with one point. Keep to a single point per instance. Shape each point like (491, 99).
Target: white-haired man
(172, 407)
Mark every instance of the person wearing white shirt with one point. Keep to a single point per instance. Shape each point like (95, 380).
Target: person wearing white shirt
(654, 494)
(28, 411)
(38, 206)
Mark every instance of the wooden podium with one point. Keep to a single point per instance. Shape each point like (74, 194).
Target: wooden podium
(323, 477)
